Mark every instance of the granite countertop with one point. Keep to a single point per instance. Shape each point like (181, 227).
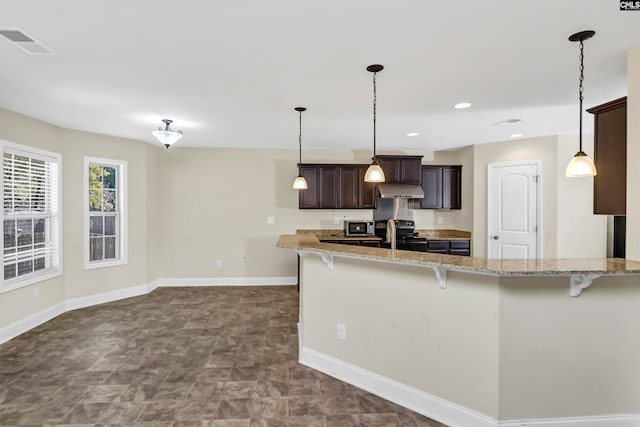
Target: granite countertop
(429, 234)
(509, 267)
(336, 235)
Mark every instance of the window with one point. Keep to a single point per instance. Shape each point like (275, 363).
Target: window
(31, 215)
(105, 218)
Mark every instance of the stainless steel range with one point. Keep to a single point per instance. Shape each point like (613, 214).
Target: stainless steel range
(406, 237)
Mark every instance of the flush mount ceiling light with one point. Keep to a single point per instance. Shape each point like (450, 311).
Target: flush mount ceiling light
(412, 134)
(374, 172)
(581, 164)
(300, 183)
(462, 105)
(515, 135)
(166, 136)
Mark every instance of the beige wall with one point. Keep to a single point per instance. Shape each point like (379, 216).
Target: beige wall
(545, 149)
(429, 338)
(21, 303)
(76, 281)
(154, 194)
(451, 219)
(213, 205)
(581, 234)
(189, 207)
(633, 153)
(563, 356)
(509, 348)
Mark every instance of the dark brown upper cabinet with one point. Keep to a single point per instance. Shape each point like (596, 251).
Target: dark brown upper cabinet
(309, 198)
(401, 169)
(336, 186)
(610, 158)
(442, 186)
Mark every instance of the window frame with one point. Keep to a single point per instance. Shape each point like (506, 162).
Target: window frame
(56, 216)
(121, 223)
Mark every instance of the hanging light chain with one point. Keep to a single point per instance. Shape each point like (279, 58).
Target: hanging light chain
(581, 88)
(300, 145)
(374, 116)
(581, 68)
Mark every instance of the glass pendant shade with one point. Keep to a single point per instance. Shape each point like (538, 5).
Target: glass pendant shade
(374, 174)
(300, 183)
(166, 136)
(581, 165)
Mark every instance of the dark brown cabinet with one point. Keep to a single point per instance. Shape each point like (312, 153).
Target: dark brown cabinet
(401, 169)
(336, 186)
(368, 243)
(309, 198)
(449, 247)
(442, 186)
(610, 158)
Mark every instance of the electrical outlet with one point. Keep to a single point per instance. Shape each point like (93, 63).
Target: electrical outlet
(342, 332)
(336, 220)
(271, 220)
(440, 220)
(36, 293)
(218, 263)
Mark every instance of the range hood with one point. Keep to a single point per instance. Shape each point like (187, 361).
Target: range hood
(400, 191)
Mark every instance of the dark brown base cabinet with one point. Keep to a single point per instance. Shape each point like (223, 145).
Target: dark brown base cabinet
(450, 247)
(336, 186)
(368, 243)
(442, 186)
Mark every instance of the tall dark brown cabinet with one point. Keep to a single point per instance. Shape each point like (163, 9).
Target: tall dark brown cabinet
(610, 157)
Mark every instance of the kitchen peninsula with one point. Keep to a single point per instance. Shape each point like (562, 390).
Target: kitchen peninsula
(473, 341)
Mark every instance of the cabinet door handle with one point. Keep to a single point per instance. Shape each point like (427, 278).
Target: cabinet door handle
(494, 237)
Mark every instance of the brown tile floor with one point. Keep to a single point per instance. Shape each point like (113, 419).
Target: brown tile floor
(223, 356)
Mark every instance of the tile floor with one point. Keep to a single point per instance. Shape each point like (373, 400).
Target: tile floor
(223, 356)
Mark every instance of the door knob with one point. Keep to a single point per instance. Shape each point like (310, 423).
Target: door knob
(494, 237)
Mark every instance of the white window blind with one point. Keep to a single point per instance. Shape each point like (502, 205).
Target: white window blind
(30, 215)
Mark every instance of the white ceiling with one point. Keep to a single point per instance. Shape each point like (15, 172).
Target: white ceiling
(230, 72)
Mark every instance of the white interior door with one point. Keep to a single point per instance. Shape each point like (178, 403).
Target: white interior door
(513, 228)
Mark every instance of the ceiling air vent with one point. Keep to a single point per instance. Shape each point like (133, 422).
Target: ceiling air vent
(25, 42)
(507, 121)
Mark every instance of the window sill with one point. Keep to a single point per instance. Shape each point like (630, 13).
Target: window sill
(103, 264)
(27, 281)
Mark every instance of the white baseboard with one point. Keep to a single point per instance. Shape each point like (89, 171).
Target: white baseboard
(105, 297)
(595, 421)
(21, 326)
(229, 281)
(439, 409)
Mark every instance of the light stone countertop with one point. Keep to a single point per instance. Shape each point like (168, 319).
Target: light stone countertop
(309, 242)
(335, 234)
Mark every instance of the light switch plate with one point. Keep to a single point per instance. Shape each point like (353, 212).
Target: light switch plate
(271, 220)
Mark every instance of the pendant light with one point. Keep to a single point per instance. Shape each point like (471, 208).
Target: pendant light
(581, 164)
(166, 136)
(300, 183)
(374, 172)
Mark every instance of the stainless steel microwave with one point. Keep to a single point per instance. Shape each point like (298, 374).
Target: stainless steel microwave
(358, 227)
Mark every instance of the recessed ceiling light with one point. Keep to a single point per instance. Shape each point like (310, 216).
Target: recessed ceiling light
(515, 135)
(412, 134)
(462, 105)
